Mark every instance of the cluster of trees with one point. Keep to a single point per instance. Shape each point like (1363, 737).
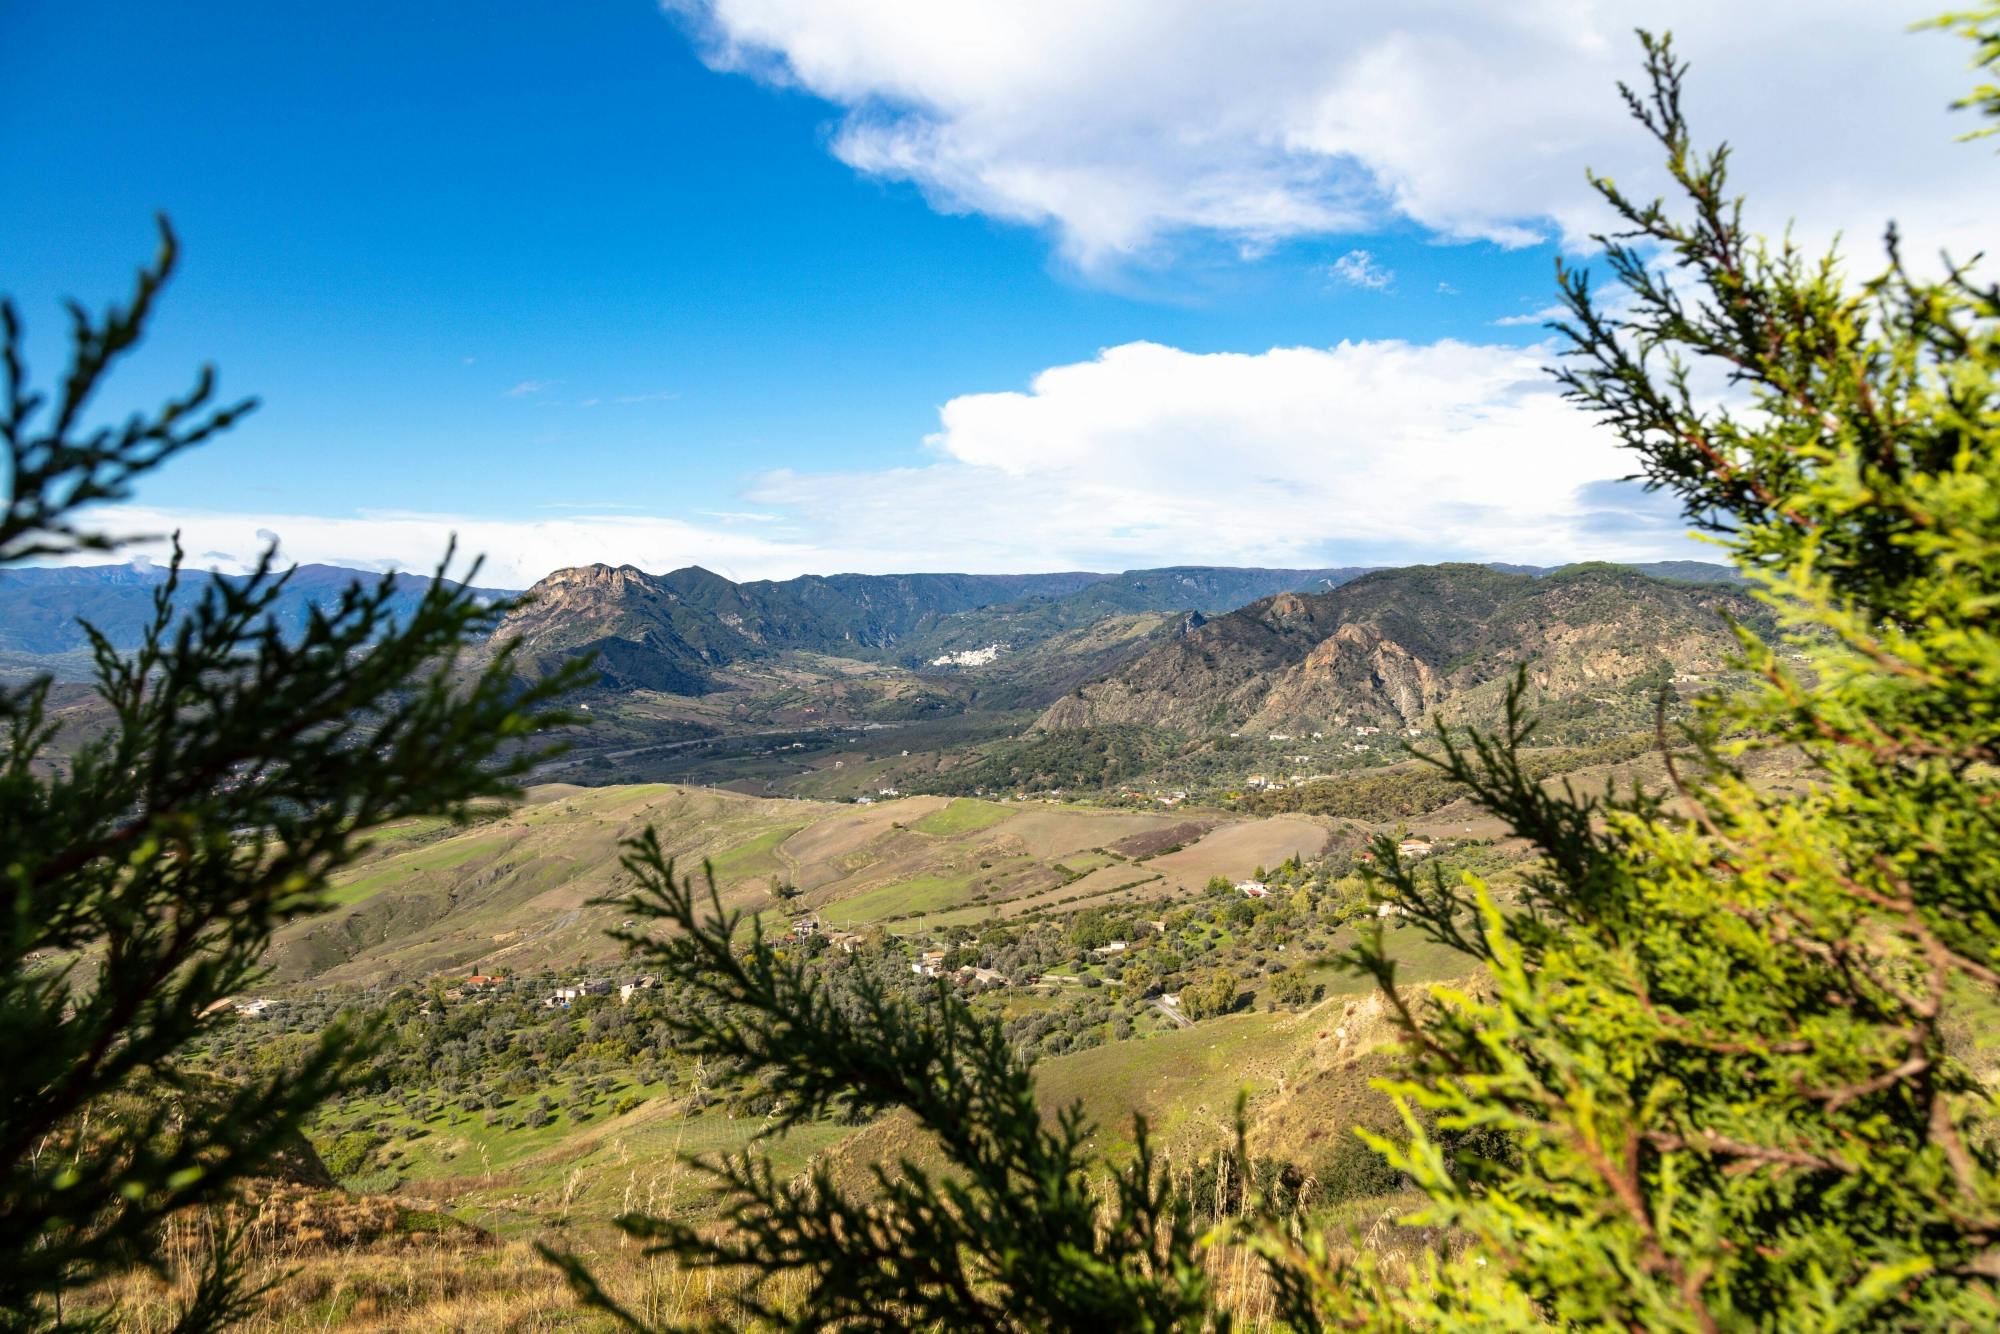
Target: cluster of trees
(1419, 789)
(1081, 758)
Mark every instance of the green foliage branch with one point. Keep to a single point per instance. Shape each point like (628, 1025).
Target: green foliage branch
(145, 873)
(1014, 1232)
(1713, 1029)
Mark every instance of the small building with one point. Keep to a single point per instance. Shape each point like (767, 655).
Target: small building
(1253, 889)
(844, 941)
(482, 982)
(1105, 951)
(805, 928)
(981, 977)
(564, 997)
(1414, 847)
(929, 964)
(254, 1009)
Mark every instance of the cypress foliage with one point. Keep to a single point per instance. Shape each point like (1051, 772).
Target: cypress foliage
(1713, 1030)
(144, 876)
(1015, 1234)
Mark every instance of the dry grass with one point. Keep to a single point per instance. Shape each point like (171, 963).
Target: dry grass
(327, 1260)
(459, 1280)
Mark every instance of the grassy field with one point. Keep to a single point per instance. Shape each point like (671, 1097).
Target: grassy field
(461, 1199)
(963, 816)
(572, 1172)
(520, 887)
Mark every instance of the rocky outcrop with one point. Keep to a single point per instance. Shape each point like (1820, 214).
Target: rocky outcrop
(642, 633)
(1398, 647)
(1355, 676)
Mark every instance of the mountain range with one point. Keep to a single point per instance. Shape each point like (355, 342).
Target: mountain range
(1186, 646)
(673, 632)
(1393, 648)
(43, 608)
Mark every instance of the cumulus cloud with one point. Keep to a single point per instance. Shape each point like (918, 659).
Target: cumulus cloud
(1379, 452)
(1127, 123)
(1357, 268)
(1365, 452)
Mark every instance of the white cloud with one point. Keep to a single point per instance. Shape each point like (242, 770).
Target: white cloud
(1357, 268)
(626, 400)
(517, 551)
(1548, 313)
(1124, 123)
(1370, 452)
(1362, 453)
(529, 387)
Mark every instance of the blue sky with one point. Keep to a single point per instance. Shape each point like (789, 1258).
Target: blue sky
(607, 281)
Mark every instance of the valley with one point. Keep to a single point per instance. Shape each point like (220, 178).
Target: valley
(1128, 818)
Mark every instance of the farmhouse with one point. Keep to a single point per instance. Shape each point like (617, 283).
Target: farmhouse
(1414, 847)
(564, 997)
(1253, 889)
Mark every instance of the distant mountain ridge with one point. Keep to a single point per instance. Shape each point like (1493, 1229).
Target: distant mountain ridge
(1394, 648)
(673, 631)
(42, 607)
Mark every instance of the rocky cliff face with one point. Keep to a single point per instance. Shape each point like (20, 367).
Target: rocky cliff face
(644, 634)
(1399, 647)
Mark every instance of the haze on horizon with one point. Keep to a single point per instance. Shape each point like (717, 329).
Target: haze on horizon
(780, 287)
